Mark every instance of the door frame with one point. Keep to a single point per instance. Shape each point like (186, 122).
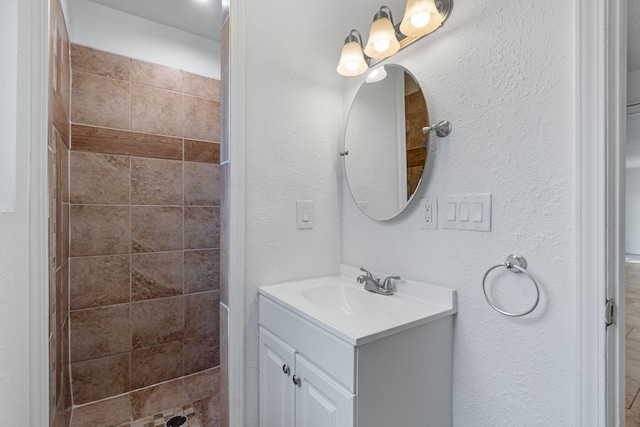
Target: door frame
(601, 94)
(33, 112)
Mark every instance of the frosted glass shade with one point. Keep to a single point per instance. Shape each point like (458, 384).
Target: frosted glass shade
(352, 61)
(382, 39)
(420, 17)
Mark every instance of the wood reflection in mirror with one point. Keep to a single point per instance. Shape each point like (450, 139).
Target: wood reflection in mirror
(417, 143)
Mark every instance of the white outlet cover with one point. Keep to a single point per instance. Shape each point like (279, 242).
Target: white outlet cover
(430, 203)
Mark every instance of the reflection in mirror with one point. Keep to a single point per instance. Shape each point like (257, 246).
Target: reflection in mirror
(387, 150)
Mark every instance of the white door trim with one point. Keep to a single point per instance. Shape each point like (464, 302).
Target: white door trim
(34, 26)
(237, 213)
(598, 220)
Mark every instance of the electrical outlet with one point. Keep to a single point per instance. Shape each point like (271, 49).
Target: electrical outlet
(429, 213)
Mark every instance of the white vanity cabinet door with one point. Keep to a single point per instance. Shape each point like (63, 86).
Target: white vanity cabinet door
(277, 392)
(320, 401)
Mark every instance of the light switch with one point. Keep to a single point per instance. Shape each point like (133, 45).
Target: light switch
(304, 214)
(476, 212)
(451, 211)
(473, 212)
(464, 212)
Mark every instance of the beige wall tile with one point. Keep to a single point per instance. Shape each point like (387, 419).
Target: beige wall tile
(99, 332)
(156, 111)
(156, 182)
(156, 75)
(201, 314)
(202, 86)
(208, 411)
(156, 228)
(152, 400)
(63, 293)
(156, 275)
(63, 237)
(201, 271)
(201, 184)
(106, 413)
(100, 178)
(101, 140)
(156, 321)
(201, 119)
(100, 101)
(203, 384)
(100, 230)
(64, 171)
(201, 151)
(100, 378)
(201, 228)
(92, 61)
(156, 364)
(100, 281)
(201, 353)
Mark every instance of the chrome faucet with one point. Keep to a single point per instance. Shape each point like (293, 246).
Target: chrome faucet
(373, 284)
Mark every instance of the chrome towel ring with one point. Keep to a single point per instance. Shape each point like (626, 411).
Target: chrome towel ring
(516, 264)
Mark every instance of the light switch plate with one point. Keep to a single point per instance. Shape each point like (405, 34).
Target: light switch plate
(468, 212)
(304, 214)
(429, 213)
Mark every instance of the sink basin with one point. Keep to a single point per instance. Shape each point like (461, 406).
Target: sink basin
(343, 307)
(349, 300)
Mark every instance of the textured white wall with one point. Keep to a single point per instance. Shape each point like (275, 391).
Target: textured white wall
(14, 244)
(293, 135)
(8, 76)
(107, 29)
(504, 76)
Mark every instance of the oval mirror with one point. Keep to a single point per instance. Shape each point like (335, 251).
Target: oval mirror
(385, 149)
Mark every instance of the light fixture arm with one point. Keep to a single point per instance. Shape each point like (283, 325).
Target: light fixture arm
(442, 128)
(354, 38)
(385, 10)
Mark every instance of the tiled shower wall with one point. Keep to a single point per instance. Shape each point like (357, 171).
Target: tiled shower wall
(144, 218)
(58, 169)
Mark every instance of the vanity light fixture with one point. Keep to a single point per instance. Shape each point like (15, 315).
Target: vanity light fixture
(352, 61)
(383, 41)
(421, 17)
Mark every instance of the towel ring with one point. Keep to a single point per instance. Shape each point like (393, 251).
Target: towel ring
(518, 263)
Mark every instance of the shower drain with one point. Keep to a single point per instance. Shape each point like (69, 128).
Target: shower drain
(176, 421)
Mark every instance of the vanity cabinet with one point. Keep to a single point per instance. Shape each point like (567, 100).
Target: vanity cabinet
(295, 392)
(312, 377)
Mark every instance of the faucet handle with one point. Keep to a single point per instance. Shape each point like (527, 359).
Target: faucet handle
(388, 283)
(364, 270)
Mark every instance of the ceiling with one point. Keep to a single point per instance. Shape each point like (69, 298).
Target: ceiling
(201, 17)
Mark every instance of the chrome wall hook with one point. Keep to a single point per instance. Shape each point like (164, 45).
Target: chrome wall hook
(442, 128)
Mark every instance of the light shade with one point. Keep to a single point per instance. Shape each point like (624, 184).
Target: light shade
(420, 17)
(352, 62)
(377, 75)
(382, 41)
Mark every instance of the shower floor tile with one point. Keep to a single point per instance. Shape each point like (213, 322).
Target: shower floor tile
(195, 396)
(160, 419)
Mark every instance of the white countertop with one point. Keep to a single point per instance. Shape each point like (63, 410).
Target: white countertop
(343, 308)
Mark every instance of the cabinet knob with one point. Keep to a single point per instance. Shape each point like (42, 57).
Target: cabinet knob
(286, 369)
(296, 380)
